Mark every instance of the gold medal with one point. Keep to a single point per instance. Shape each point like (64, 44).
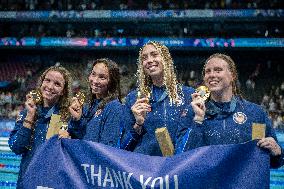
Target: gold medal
(203, 91)
(36, 96)
(81, 97)
(146, 95)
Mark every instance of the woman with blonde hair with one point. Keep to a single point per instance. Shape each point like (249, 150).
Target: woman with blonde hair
(159, 101)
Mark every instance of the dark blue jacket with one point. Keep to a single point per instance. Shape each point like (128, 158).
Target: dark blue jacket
(227, 123)
(23, 142)
(98, 125)
(163, 114)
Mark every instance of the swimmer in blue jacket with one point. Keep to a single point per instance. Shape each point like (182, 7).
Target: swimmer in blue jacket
(227, 118)
(159, 101)
(31, 127)
(99, 119)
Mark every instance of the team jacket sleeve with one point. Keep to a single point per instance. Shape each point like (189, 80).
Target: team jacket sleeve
(77, 129)
(20, 137)
(110, 124)
(128, 137)
(189, 138)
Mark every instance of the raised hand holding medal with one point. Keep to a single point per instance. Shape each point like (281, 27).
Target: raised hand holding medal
(33, 98)
(36, 96)
(140, 109)
(76, 106)
(199, 98)
(81, 97)
(203, 91)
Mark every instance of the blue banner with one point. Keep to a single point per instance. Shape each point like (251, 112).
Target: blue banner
(63, 41)
(81, 164)
(138, 42)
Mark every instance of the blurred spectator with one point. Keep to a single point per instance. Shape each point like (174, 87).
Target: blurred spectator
(282, 88)
(265, 101)
(278, 121)
(123, 5)
(250, 84)
(272, 105)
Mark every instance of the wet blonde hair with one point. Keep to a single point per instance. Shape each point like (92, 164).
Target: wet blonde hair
(232, 68)
(169, 76)
(64, 100)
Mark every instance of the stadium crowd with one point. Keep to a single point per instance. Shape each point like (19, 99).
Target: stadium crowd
(18, 5)
(172, 29)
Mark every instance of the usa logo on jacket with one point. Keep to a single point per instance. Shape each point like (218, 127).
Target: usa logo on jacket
(239, 117)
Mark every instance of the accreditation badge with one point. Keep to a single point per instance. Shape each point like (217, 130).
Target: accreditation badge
(55, 125)
(165, 141)
(239, 117)
(258, 131)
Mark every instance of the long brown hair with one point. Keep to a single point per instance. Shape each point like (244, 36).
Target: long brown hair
(232, 68)
(170, 81)
(113, 84)
(64, 100)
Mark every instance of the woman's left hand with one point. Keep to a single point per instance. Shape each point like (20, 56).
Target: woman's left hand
(63, 134)
(270, 144)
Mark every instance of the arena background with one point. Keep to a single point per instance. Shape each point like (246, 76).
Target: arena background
(37, 34)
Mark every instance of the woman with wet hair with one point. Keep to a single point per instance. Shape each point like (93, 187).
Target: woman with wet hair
(99, 119)
(227, 118)
(34, 122)
(159, 101)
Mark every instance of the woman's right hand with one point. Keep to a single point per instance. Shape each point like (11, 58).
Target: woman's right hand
(198, 106)
(30, 105)
(140, 109)
(76, 109)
